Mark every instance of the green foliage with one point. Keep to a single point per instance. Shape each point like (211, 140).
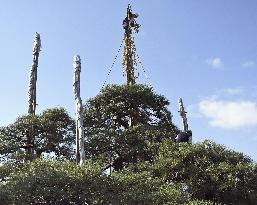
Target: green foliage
(127, 128)
(123, 122)
(51, 132)
(200, 202)
(208, 171)
(142, 188)
(56, 182)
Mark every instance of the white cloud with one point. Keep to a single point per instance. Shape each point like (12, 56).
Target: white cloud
(229, 114)
(248, 64)
(215, 62)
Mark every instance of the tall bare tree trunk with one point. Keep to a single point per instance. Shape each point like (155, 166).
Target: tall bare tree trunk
(80, 150)
(183, 113)
(32, 94)
(33, 76)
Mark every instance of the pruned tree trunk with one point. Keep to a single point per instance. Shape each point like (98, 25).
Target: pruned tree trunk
(80, 150)
(32, 94)
(33, 76)
(183, 113)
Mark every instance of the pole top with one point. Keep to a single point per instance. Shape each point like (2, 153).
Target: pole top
(77, 63)
(77, 58)
(129, 22)
(37, 43)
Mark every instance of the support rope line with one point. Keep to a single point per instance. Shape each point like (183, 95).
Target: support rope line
(138, 61)
(146, 76)
(114, 61)
(144, 71)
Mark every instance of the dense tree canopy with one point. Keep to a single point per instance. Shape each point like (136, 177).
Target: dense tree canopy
(128, 128)
(51, 132)
(208, 171)
(123, 123)
(56, 182)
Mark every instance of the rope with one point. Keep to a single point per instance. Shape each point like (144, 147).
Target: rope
(114, 61)
(147, 77)
(141, 65)
(143, 68)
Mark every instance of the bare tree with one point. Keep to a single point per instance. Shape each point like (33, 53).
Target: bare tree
(80, 151)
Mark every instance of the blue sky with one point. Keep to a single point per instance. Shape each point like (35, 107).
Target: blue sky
(204, 51)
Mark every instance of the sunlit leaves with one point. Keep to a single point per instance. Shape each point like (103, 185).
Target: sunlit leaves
(51, 132)
(209, 171)
(123, 122)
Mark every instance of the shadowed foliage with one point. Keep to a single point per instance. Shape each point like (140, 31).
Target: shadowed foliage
(51, 132)
(208, 171)
(128, 128)
(124, 123)
(56, 182)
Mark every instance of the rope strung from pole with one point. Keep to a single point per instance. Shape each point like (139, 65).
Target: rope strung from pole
(113, 63)
(144, 71)
(145, 74)
(138, 61)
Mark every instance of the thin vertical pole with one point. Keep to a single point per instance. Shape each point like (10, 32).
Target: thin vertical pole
(129, 55)
(33, 76)
(183, 113)
(80, 150)
(32, 92)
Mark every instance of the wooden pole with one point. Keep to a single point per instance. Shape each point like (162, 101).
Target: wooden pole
(80, 150)
(33, 76)
(183, 113)
(129, 55)
(32, 95)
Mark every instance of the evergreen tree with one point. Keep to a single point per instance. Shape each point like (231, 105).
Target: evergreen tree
(124, 123)
(51, 132)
